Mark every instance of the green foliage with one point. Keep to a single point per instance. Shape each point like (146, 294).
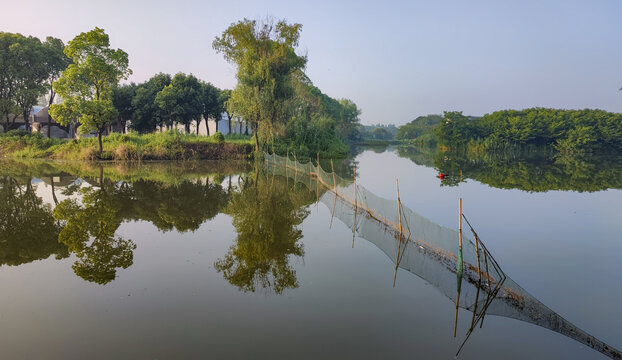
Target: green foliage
(213, 104)
(219, 137)
(170, 145)
(86, 85)
(25, 70)
(422, 129)
(147, 114)
(265, 56)
(181, 101)
(568, 131)
(122, 97)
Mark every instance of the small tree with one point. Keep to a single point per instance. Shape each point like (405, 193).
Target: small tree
(86, 85)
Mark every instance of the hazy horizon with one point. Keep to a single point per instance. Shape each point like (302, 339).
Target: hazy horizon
(396, 60)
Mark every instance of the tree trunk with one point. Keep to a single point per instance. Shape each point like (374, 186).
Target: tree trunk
(49, 126)
(216, 120)
(198, 125)
(26, 121)
(52, 95)
(229, 117)
(255, 136)
(99, 141)
(240, 125)
(246, 129)
(187, 126)
(207, 126)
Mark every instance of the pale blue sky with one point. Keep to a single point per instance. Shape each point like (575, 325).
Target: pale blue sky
(395, 59)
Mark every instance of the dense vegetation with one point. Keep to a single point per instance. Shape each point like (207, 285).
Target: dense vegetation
(423, 129)
(564, 131)
(568, 131)
(169, 145)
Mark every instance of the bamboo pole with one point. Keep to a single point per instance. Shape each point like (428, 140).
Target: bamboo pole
(355, 209)
(399, 245)
(460, 265)
(317, 181)
(332, 168)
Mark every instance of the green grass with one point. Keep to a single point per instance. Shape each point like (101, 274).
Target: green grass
(171, 145)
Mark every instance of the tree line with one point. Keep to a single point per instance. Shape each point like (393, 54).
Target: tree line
(273, 94)
(567, 131)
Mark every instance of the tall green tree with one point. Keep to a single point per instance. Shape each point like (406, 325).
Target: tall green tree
(147, 114)
(212, 107)
(122, 97)
(181, 100)
(56, 61)
(265, 56)
(23, 75)
(86, 85)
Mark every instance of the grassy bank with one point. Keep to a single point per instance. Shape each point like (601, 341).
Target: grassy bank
(170, 145)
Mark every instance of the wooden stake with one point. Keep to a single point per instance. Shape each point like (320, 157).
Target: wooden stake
(332, 168)
(355, 208)
(399, 244)
(459, 265)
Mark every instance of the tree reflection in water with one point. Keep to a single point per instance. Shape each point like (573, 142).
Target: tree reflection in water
(28, 231)
(90, 224)
(534, 171)
(266, 214)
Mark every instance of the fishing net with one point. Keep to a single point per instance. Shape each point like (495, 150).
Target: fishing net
(469, 275)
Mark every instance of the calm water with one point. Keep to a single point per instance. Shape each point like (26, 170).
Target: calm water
(214, 260)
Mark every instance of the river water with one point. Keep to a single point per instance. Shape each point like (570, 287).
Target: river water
(215, 260)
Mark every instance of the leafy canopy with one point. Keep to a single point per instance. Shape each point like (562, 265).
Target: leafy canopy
(86, 85)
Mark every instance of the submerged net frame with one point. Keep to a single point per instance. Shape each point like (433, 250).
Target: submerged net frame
(472, 279)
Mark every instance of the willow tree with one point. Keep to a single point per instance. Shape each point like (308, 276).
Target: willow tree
(86, 85)
(265, 57)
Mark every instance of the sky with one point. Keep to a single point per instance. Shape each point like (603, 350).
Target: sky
(395, 59)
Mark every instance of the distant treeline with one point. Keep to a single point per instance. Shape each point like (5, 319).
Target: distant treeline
(566, 131)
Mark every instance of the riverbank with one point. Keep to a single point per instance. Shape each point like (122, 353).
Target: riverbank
(128, 147)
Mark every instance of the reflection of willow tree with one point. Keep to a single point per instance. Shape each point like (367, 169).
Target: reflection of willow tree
(266, 213)
(28, 231)
(89, 232)
(525, 171)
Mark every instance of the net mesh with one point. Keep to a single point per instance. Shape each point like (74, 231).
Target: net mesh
(469, 276)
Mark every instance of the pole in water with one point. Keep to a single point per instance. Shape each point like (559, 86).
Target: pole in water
(459, 265)
(399, 244)
(355, 208)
